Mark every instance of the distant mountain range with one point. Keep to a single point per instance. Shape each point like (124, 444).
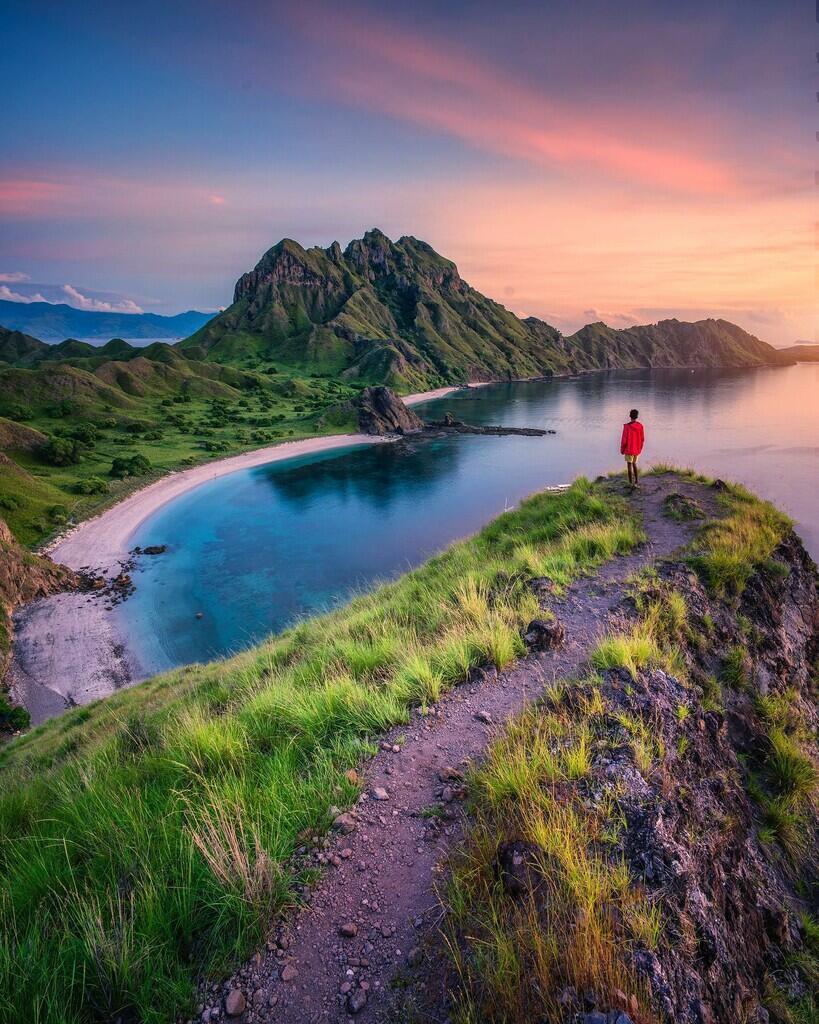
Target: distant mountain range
(802, 352)
(57, 321)
(377, 312)
(398, 313)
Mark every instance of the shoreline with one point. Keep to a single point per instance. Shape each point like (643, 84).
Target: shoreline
(101, 542)
(67, 648)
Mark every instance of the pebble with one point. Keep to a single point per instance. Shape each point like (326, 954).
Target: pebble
(483, 716)
(379, 793)
(344, 823)
(349, 930)
(356, 1001)
(234, 1004)
(289, 972)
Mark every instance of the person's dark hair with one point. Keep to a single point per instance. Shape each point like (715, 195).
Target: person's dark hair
(634, 414)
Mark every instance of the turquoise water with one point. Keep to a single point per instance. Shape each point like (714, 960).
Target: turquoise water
(255, 550)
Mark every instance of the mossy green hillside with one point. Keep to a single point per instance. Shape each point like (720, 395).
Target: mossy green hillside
(143, 839)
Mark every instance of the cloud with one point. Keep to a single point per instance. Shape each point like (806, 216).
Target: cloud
(26, 196)
(14, 276)
(81, 301)
(216, 200)
(12, 296)
(436, 85)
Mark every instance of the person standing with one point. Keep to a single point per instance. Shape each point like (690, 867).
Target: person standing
(631, 444)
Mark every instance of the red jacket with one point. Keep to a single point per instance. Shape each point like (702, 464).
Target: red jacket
(633, 438)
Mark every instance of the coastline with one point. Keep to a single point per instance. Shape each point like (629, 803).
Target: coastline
(67, 649)
(102, 541)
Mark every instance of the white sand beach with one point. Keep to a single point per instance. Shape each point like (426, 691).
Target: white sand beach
(67, 649)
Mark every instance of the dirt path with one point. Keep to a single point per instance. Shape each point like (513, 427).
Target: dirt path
(380, 879)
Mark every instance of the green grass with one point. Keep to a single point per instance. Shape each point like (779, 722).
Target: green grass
(581, 914)
(142, 838)
(731, 548)
(170, 426)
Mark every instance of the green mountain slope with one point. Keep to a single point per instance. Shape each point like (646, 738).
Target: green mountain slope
(398, 313)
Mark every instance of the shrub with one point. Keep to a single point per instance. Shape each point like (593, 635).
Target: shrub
(91, 485)
(135, 465)
(62, 451)
(12, 717)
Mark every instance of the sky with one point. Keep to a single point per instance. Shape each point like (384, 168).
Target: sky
(579, 161)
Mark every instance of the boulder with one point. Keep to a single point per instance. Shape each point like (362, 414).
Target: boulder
(541, 635)
(381, 411)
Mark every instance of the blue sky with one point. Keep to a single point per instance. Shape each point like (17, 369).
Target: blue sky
(578, 162)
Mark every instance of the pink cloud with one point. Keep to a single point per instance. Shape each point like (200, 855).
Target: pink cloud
(385, 67)
(14, 277)
(20, 195)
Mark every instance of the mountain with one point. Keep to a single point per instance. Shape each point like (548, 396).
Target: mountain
(398, 313)
(20, 349)
(802, 352)
(55, 321)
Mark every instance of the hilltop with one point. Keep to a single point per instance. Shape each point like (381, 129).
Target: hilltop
(565, 770)
(399, 313)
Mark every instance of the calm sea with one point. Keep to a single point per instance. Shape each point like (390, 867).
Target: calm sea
(253, 551)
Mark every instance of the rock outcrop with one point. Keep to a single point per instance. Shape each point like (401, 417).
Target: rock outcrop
(380, 411)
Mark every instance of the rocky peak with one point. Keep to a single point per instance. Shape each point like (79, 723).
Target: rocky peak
(286, 263)
(380, 411)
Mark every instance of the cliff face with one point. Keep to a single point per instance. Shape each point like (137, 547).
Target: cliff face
(398, 313)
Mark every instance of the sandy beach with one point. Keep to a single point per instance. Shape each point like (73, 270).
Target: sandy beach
(67, 649)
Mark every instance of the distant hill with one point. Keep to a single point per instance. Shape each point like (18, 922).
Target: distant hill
(56, 321)
(398, 313)
(803, 352)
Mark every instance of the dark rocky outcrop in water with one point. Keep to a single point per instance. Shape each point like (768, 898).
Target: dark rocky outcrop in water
(450, 425)
(380, 411)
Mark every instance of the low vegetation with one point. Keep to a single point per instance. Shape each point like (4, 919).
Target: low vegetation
(575, 912)
(732, 547)
(142, 839)
(77, 442)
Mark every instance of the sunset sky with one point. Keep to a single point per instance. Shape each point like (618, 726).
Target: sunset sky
(579, 161)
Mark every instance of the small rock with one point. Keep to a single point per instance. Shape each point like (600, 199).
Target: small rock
(483, 716)
(449, 774)
(235, 1003)
(349, 930)
(200, 615)
(541, 635)
(379, 793)
(447, 795)
(357, 1000)
(346, 853)
(415, 956)
(289, 972)
(344, 823)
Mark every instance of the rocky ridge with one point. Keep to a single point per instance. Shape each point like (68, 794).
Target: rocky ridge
(368, 945)
(398, 313)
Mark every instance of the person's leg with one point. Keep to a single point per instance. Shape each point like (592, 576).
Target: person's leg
(636, 472)
(630, 474)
